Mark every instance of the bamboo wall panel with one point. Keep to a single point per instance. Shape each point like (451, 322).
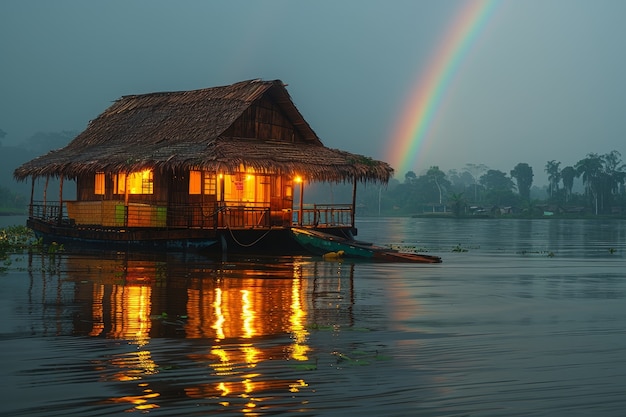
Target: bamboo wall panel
(145, 215)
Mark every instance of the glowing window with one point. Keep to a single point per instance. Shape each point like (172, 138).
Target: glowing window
(138, 182)
(99, 184)
(210, 183)
(194, 182)
(247, 188)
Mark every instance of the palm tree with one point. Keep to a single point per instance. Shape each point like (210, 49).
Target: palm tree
(612, 178)
(567, 175)
(554, 176)
(590, 170)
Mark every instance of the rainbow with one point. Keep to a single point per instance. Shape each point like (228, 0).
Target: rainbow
(412, 128)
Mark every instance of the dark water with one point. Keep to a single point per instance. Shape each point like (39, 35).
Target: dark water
(523, 318)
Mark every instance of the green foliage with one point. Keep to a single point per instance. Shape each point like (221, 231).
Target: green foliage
(18, 239)
(15, 239)
(554, 176)
(458, 204)
(488, 191)
(523, 174)
(459, 248)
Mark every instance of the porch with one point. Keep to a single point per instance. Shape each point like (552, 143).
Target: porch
(115, 214)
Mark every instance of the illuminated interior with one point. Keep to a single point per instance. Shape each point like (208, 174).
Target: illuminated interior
(202, 183)
(141, 182)
(99, 183)
(247, 188)
(195, 182)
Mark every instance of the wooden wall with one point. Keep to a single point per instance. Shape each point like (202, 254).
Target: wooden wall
(264, 120)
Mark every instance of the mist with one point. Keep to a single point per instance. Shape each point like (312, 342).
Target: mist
(541, 81)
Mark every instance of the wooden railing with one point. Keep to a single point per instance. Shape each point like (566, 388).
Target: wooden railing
(116, 214)
(47, 211)
(324, 215)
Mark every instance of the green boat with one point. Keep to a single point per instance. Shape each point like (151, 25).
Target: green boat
(329, 245)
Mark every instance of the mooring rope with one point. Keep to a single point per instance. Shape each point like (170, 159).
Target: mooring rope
(250, 244)
(223, 209)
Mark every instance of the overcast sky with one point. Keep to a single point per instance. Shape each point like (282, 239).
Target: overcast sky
(543, 79)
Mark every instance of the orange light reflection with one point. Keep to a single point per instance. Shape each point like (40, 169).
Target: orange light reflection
(238, 309)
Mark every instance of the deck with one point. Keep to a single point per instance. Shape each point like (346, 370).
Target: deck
(146, 226)
(114, 214)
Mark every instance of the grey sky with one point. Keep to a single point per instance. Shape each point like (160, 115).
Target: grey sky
(543, 80)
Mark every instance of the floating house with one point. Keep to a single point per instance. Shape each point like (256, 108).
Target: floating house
(217, 168)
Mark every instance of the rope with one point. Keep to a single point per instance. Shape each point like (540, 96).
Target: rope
(248, 245)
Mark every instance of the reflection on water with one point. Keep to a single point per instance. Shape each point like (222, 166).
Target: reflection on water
(241, 313)
(528, 320)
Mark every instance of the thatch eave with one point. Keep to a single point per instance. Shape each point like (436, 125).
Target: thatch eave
(187, 130)
(318, 164)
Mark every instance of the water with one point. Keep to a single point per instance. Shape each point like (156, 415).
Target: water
(523, 318)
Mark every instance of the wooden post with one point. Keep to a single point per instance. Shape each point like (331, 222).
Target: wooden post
(45, 200)
(301, 202)
(353, 208)
(32, 193)
(220, 212)
(221, 178)
(60, 199)
(126, 199)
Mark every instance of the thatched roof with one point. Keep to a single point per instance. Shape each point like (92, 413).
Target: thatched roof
(188, 130)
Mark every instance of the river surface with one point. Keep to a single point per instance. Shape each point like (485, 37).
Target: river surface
(522, 318)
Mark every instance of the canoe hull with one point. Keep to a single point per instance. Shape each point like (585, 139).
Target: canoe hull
(322, 244)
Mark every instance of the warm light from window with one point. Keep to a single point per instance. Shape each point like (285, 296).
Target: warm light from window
(219, 316)
(195, 182)
(138, 182)
(99, 185)
(247, 314)
(297, 321)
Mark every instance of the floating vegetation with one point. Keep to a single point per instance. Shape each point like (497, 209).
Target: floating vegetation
(406, 248)
(15, 239)
(359, 358)
(306, 366)
(19, 239)
(459, 248)
(547, 253)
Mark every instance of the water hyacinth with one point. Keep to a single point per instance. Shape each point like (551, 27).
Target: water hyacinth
(17, 239)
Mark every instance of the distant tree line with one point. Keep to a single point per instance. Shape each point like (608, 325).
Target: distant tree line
(12, 202)
(14, 195)
(476, 188)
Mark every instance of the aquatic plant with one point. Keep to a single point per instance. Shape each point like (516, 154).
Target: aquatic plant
(359, 357)
(18, 239)
(458, 248)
